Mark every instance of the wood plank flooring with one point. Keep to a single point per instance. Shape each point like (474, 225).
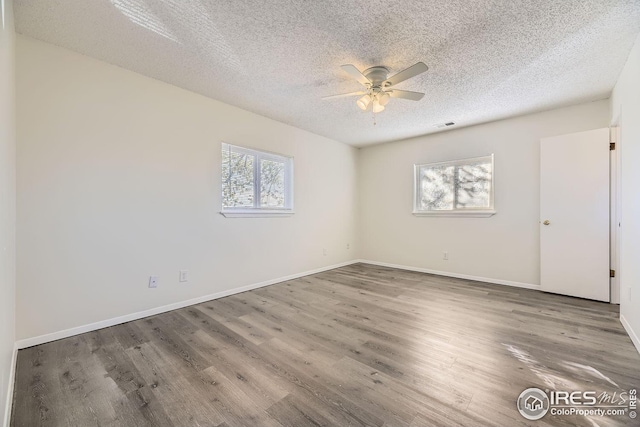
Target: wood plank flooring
(356, 346)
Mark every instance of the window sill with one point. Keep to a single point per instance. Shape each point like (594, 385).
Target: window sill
(256, 213)
(465, 214)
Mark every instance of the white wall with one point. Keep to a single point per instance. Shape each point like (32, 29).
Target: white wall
(625, 110)
(504, 247)
(119, 179)
(7, 204)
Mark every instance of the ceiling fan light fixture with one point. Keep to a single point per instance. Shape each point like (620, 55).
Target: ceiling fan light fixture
(363, 103)
(377, 107)
(378, 86)
(383, 98)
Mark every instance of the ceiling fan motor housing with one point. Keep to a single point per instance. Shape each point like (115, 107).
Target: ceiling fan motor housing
(376, 75)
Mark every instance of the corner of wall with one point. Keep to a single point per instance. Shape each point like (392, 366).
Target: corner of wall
(7, 209)
(625, 113)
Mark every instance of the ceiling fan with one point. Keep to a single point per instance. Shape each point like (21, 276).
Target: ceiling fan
(379, 87)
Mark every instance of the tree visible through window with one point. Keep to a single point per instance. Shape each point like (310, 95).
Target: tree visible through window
(253, 179)
(454, 186)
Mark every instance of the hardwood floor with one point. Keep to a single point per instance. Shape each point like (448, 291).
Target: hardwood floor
(356, 346)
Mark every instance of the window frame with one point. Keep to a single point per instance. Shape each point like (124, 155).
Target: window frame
(483, 212)
(256, 210)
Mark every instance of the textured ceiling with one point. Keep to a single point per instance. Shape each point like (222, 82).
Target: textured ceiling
(487, 59)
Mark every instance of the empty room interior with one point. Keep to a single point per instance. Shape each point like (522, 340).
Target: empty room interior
(319, 213)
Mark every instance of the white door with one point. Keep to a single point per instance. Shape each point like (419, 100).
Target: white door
(574, 214)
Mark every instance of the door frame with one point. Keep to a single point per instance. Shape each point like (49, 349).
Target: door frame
(614, 195)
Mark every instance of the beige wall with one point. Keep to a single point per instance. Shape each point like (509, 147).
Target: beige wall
(502, 248)
(625, 112)
(7, 204)
(119, 179)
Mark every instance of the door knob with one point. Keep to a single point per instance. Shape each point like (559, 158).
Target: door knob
(546, 222)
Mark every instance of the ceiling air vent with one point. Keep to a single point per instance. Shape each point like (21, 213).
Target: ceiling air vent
(444, 125)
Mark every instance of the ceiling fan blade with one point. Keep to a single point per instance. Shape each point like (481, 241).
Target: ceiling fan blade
(405, 94)
(343, 95)
(356, 74)
(403, 75)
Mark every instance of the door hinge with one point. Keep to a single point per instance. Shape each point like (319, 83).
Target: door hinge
(612, 146)
(612, 273)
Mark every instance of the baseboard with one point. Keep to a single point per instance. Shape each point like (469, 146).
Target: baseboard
(456, 275)
(632, 334)
(12, 379)
(30, 342)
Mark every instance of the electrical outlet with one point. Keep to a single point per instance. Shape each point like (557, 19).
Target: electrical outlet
(629, 293)
(184, 275)
(324, 251)
(445, 256)
(153, 281)
(348, 246)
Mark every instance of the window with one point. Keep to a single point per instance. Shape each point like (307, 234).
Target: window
(255, 183)
(455, 188)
